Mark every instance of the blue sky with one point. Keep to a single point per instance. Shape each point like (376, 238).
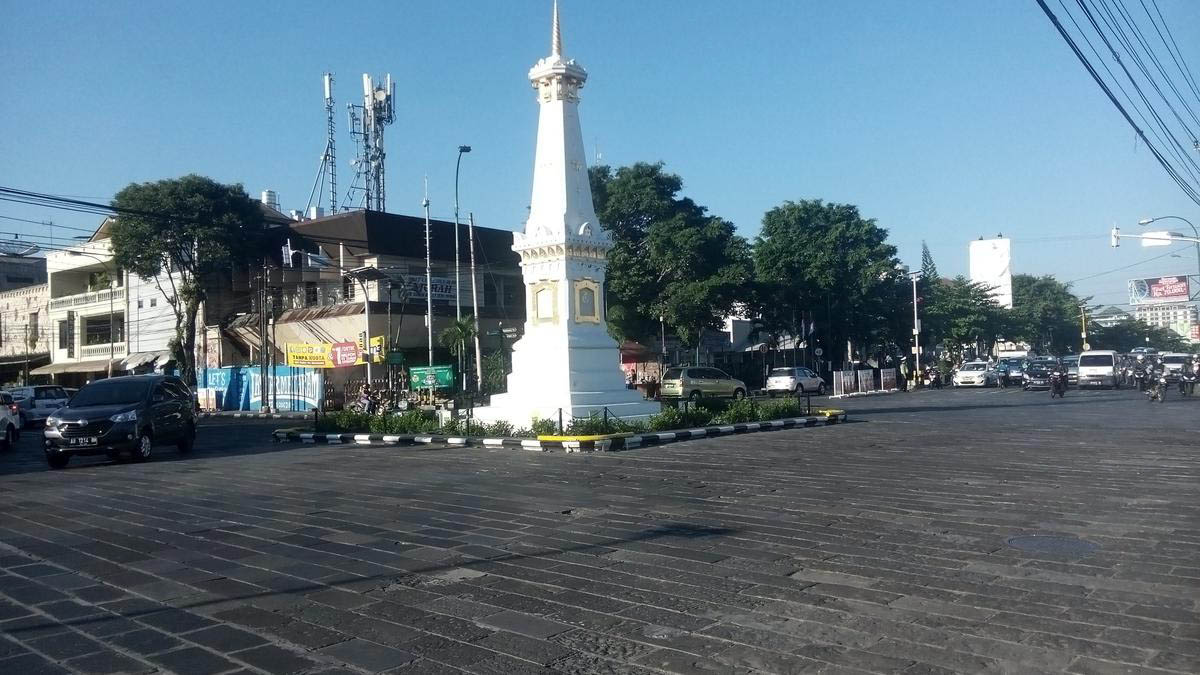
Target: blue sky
(943, 120)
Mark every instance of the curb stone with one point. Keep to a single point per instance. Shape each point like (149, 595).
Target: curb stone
(258, 415)
(611, 444)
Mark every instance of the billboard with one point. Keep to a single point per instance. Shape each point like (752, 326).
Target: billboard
(991, 265)
(1156, 290)
(331, 354)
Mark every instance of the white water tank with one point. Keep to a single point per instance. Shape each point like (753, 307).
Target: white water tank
(315, 212)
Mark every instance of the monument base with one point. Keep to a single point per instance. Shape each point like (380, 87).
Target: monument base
(626, 404)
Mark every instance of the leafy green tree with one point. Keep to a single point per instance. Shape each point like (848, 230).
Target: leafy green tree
(960, 312)
(670, 258)
(456, 337)
(193, 227)
(810, 255)
(1126, 335)
(1045, 314)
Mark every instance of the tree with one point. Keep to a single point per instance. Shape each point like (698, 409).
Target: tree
(929, 270)
(193, 228)
(670, 258)
(959, 312)
(455, 338)
(827, 258)
(1126, 335)
(1045, 314)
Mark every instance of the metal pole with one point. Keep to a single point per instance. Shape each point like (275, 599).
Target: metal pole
(112, 347)
(271, 371)
(366, 328)
(475, 303)
(916, 328)
(1195, 233)
(428, 278)
(387, 342)
(457, 294)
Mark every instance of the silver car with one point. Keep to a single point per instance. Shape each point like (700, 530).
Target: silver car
(797, 381)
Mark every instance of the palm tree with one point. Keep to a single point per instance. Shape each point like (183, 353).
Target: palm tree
(455, 338)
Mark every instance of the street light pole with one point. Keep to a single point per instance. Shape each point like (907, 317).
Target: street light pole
(1195, 232)
(914, 276)
(462, 149)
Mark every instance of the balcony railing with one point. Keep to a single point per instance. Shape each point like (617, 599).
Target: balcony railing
(102, 351)
(80, 299)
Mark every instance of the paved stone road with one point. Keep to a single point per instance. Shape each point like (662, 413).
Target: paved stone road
(875, 547)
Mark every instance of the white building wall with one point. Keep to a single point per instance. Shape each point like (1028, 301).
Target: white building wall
(151, 321)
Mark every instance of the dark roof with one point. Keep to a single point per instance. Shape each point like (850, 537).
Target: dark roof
(381, 233)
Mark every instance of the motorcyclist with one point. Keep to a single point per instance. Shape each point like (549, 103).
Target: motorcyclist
(1141, 372)
(1155, 379)
(1058, 379)
(1188, 375)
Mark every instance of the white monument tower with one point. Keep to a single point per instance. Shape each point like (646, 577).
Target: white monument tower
(566, 360)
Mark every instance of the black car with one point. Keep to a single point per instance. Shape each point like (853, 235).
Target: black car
(1037, 375)
(122, 414)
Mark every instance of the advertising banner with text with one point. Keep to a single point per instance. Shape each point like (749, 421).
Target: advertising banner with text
(1158, 290)
(331, 354)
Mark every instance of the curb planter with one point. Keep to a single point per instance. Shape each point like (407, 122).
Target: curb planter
(565, 443)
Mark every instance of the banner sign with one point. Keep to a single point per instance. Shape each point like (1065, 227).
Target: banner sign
(1157, 290)
(443, 288)
(425, 377)
(331, 354)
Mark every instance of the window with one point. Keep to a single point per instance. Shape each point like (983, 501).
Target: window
(1, 331)
(347, 288)
(153, 302)
(49, 393)
(140, 303)
(509, 293)
(100, 330)
(489, 293)
(311, 298)
(18, 280)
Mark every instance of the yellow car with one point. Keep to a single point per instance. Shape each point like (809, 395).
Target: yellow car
(695, 382)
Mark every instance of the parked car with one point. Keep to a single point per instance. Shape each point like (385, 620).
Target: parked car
(1071, 363)
(1098, 368)
(794, 381)
(695, 382)
(10, 420)
(38, 401)
(974, 374)
(122, 414)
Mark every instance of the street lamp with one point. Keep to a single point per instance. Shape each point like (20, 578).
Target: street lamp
(462, 149)
(1195, 232)
(112, 347)
(362, 275)
(916, 276)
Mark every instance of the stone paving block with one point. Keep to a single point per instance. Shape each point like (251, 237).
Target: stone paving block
(174, 620)
(66, 645)
(530, 649)
(525, 624)
(368, 655)
(275, 660)
(31, 664)
(145, 641)
(224, 639)
(105, 662)
(193, 661)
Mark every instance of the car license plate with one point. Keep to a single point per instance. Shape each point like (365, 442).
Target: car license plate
(84, 441)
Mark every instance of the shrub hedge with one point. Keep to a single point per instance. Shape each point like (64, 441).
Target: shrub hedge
(709, 413)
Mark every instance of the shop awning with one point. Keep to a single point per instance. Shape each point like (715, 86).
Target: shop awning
(100, 366)
(155, 359)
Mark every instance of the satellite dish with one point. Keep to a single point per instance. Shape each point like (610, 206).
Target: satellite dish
(18, 249)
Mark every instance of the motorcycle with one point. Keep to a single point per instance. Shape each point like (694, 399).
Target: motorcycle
(1187, 382)
(1139, 378)
(1157, 389)
(1058, 384)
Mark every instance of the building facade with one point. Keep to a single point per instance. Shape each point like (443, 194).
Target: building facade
(1179, 317)
(24, 332)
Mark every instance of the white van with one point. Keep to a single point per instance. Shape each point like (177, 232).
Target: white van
(1098, 368)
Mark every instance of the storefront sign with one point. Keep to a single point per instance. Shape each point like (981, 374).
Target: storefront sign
(331, 354)
(426, 377)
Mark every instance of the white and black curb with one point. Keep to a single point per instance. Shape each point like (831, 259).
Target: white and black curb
(258, 415)
(619, 443)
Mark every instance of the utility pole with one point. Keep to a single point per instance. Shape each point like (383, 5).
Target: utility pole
(263, 392)
(428, 277)
(475, 303)
(914, 276)
(1083, 326)
(462, 149)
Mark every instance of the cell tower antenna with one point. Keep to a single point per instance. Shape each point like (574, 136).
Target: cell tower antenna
(366, 127)
(330, 133)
